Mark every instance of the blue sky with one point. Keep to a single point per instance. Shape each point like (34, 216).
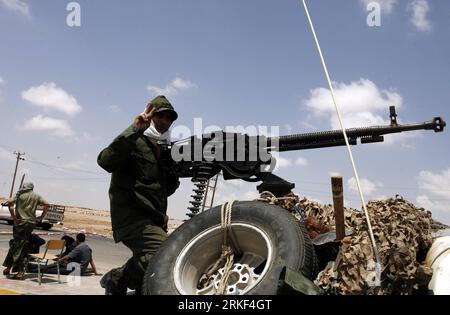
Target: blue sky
(66, 92)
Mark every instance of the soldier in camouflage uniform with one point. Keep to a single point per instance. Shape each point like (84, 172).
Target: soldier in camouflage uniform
(26, 202)
(141, 181)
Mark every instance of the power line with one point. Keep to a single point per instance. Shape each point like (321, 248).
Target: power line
(63, 168)
(8, 147)
(87, 179)
(53, 167)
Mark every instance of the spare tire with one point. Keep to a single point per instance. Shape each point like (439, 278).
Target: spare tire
(269, 237)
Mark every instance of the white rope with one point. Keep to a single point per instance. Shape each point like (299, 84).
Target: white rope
(369, 225)
(226, 274)
(225, 213)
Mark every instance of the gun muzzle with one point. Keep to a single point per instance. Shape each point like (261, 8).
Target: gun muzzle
(439, 124)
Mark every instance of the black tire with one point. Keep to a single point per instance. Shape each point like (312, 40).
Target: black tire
(291, 246)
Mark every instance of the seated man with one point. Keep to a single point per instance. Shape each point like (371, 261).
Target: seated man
(70, 244)
(81, 255)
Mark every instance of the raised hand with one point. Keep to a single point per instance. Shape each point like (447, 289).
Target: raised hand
(143, 120)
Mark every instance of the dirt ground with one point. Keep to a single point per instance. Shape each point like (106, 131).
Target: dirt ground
(93, 221)
(87, 220)
(96, 221)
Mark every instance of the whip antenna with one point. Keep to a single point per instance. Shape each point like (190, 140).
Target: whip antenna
(369, 225)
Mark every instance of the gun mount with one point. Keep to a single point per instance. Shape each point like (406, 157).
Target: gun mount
(240, 156)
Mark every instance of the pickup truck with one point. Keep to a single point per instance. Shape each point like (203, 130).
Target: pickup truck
(54, 215)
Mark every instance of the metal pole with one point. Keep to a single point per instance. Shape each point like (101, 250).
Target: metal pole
(21, 182)
(338, 203)
(205, 195)
(214, 191)
(18, 154)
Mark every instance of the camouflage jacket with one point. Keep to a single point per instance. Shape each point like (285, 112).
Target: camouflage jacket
(140, 182)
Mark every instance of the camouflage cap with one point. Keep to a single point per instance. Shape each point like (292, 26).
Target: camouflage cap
(161, 103)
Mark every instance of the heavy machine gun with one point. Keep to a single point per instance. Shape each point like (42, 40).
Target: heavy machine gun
(240, 156)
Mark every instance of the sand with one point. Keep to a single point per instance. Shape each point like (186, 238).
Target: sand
(96, 221)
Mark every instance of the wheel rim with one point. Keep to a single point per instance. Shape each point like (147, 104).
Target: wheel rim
(204, 250)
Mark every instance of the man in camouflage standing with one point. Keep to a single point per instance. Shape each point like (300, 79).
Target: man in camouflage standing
(26, 202)
(141, 181)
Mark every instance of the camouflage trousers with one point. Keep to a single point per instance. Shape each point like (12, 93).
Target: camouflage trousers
(144, 245)
(20, 246)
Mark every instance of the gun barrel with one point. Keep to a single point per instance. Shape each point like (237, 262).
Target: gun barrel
(336, 138)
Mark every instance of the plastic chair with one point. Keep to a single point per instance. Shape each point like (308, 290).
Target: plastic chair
(54, 246)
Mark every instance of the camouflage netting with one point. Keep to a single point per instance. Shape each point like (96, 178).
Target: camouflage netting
(402, 233)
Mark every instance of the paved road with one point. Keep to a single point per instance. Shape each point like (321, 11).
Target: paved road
(106, 253)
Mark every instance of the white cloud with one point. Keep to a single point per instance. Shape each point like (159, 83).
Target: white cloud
(358, 101)
(362, 103)
(419, 10)
(6, 155)
(307, 125)
(435, 184)
(227, 190)
(425, 202)
(435, 193)
(51, 97)
(380, 197)
(387, 6)
(440, 208)
(368, 187)
(173, 88)
(228, 196)
(334, 174)
(181, 84)
(301, 161)
(16, 5)
(2, 81)
(281, 162)
(58, 127)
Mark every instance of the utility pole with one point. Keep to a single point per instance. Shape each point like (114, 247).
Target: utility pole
(18, 158)
(21, 182)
